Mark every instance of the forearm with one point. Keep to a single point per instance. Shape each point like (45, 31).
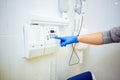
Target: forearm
(111, 36)
(94, 38)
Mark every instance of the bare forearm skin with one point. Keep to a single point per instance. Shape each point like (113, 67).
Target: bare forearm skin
(94, 38)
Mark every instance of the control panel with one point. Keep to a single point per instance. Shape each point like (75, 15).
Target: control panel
(39, 39)
(39, 36)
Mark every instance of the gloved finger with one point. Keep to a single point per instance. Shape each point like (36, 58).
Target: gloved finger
(61, 38)
(61, 42)
(64, 44)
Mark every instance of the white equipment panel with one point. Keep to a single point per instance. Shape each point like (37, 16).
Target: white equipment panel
(39, 37)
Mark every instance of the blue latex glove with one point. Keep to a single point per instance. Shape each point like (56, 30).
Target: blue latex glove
(67, 40)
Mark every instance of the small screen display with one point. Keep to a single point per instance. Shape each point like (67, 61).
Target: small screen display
(52, 31)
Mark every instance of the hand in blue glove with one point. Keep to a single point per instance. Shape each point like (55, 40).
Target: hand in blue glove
(67, 40)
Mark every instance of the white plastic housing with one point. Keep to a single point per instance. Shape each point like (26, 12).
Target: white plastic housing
(39, 37)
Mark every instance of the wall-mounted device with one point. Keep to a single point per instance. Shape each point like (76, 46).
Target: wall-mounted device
(63, 8)
(63, 5)
(78, 6)
(39, 36)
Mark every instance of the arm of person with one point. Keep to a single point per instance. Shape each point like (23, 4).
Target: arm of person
(98, 38)
(93, 38)
(110, 36)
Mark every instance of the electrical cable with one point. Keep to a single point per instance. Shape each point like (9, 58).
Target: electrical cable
(73, 47)
(78, 10)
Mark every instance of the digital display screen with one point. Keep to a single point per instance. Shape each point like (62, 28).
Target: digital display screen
(52, 31)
